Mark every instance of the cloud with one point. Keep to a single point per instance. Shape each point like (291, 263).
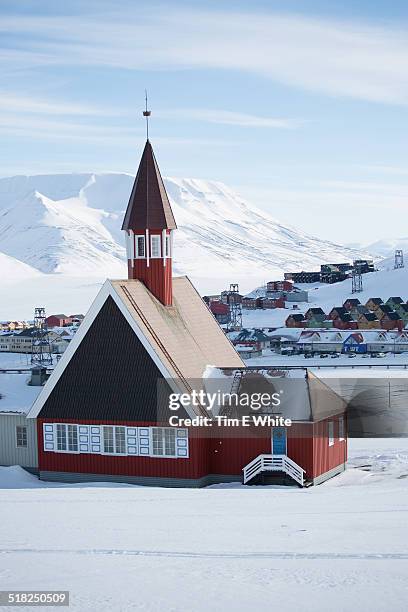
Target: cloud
(15, 102)
(340, 58)
(230, 118)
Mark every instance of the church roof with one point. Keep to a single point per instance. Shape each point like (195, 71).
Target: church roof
(149, 205)
(109, 369)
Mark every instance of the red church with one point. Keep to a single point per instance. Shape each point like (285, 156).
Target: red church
(101, 414)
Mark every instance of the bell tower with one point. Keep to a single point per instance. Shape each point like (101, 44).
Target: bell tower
(148, 227)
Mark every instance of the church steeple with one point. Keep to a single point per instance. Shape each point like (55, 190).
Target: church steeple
(148, 226)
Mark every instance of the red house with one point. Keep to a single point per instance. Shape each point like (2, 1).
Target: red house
(281, 285)
(58, 320)
(104, 412)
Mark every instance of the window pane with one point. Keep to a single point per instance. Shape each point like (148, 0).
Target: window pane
(108, 440)
(156, 246)
(72, 437)
(21, 435)
(120, 440)
(157, 441)
(170, 442)
(61, 438)
(140, 246)
(167, 242)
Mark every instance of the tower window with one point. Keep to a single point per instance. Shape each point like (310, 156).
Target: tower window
(140, 247)
(156, 251)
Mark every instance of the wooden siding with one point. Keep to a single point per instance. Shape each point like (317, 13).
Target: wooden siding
(327, 457)
(307, 445)
(195, 466)
(156, 276)
(9, 453)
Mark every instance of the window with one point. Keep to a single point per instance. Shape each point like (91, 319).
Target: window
(330, 426)
(341, 428)
(114, 440)
(167, 245)
(21, 437)
(67, 438)
(140, 247)
(108, 446)
(156, 251)
(72, 438)
(61, 438)
(164, 441)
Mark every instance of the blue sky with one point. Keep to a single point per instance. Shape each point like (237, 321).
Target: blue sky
(301, 106)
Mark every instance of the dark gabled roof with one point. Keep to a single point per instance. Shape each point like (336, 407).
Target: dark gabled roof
(370, 316)
(346, 318)
(362, 309)
(393, 316)
(251, 335)
(403, 307)
(375, 301)
(339, 309)
(297, 316)
(396, 300)
(386, 308)
(316, 311)
(149, 206)
(352, 301)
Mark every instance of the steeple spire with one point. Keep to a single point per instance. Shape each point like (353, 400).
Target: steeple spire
(147, 113)
(148, 224)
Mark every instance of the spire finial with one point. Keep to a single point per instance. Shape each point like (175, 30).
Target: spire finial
(147, 113)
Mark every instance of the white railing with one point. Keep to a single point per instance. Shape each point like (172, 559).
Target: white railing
(274, 463)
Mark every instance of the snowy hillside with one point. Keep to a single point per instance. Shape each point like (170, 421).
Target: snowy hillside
(385, 283)
(15, 271)
(70, 224)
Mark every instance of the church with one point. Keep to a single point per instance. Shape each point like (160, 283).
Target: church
(102, 415)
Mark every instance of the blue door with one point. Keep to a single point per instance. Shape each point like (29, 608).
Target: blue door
(278, 440)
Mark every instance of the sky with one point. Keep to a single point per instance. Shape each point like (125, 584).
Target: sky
(302, 107)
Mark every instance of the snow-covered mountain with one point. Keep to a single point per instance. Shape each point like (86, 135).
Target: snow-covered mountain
(70, 224)
(16, 271)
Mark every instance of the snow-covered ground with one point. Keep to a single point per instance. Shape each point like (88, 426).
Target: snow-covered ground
(274, 359)
(340, 546)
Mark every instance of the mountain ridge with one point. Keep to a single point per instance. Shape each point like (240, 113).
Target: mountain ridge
(70, 224)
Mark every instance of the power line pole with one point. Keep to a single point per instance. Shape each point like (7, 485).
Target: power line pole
(41, 355)
(356, 281)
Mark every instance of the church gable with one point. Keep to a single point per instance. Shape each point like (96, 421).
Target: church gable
(109, 377)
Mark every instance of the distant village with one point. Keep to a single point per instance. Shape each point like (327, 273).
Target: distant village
(25, 336)
(374, 328)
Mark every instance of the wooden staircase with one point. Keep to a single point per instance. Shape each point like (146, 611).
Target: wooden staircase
(274, 463)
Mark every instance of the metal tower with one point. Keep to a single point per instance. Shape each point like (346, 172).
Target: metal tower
(42, 354)
(399, 259)
(235, 307)
(356, 281)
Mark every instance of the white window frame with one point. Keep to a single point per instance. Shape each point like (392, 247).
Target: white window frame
(114, 440)
(167, 246)
(155, 239)
(330, 432)
(138, 441)
(25, 436)
(67, 450)
(164, 431)
(137, 238)
(341, 429)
